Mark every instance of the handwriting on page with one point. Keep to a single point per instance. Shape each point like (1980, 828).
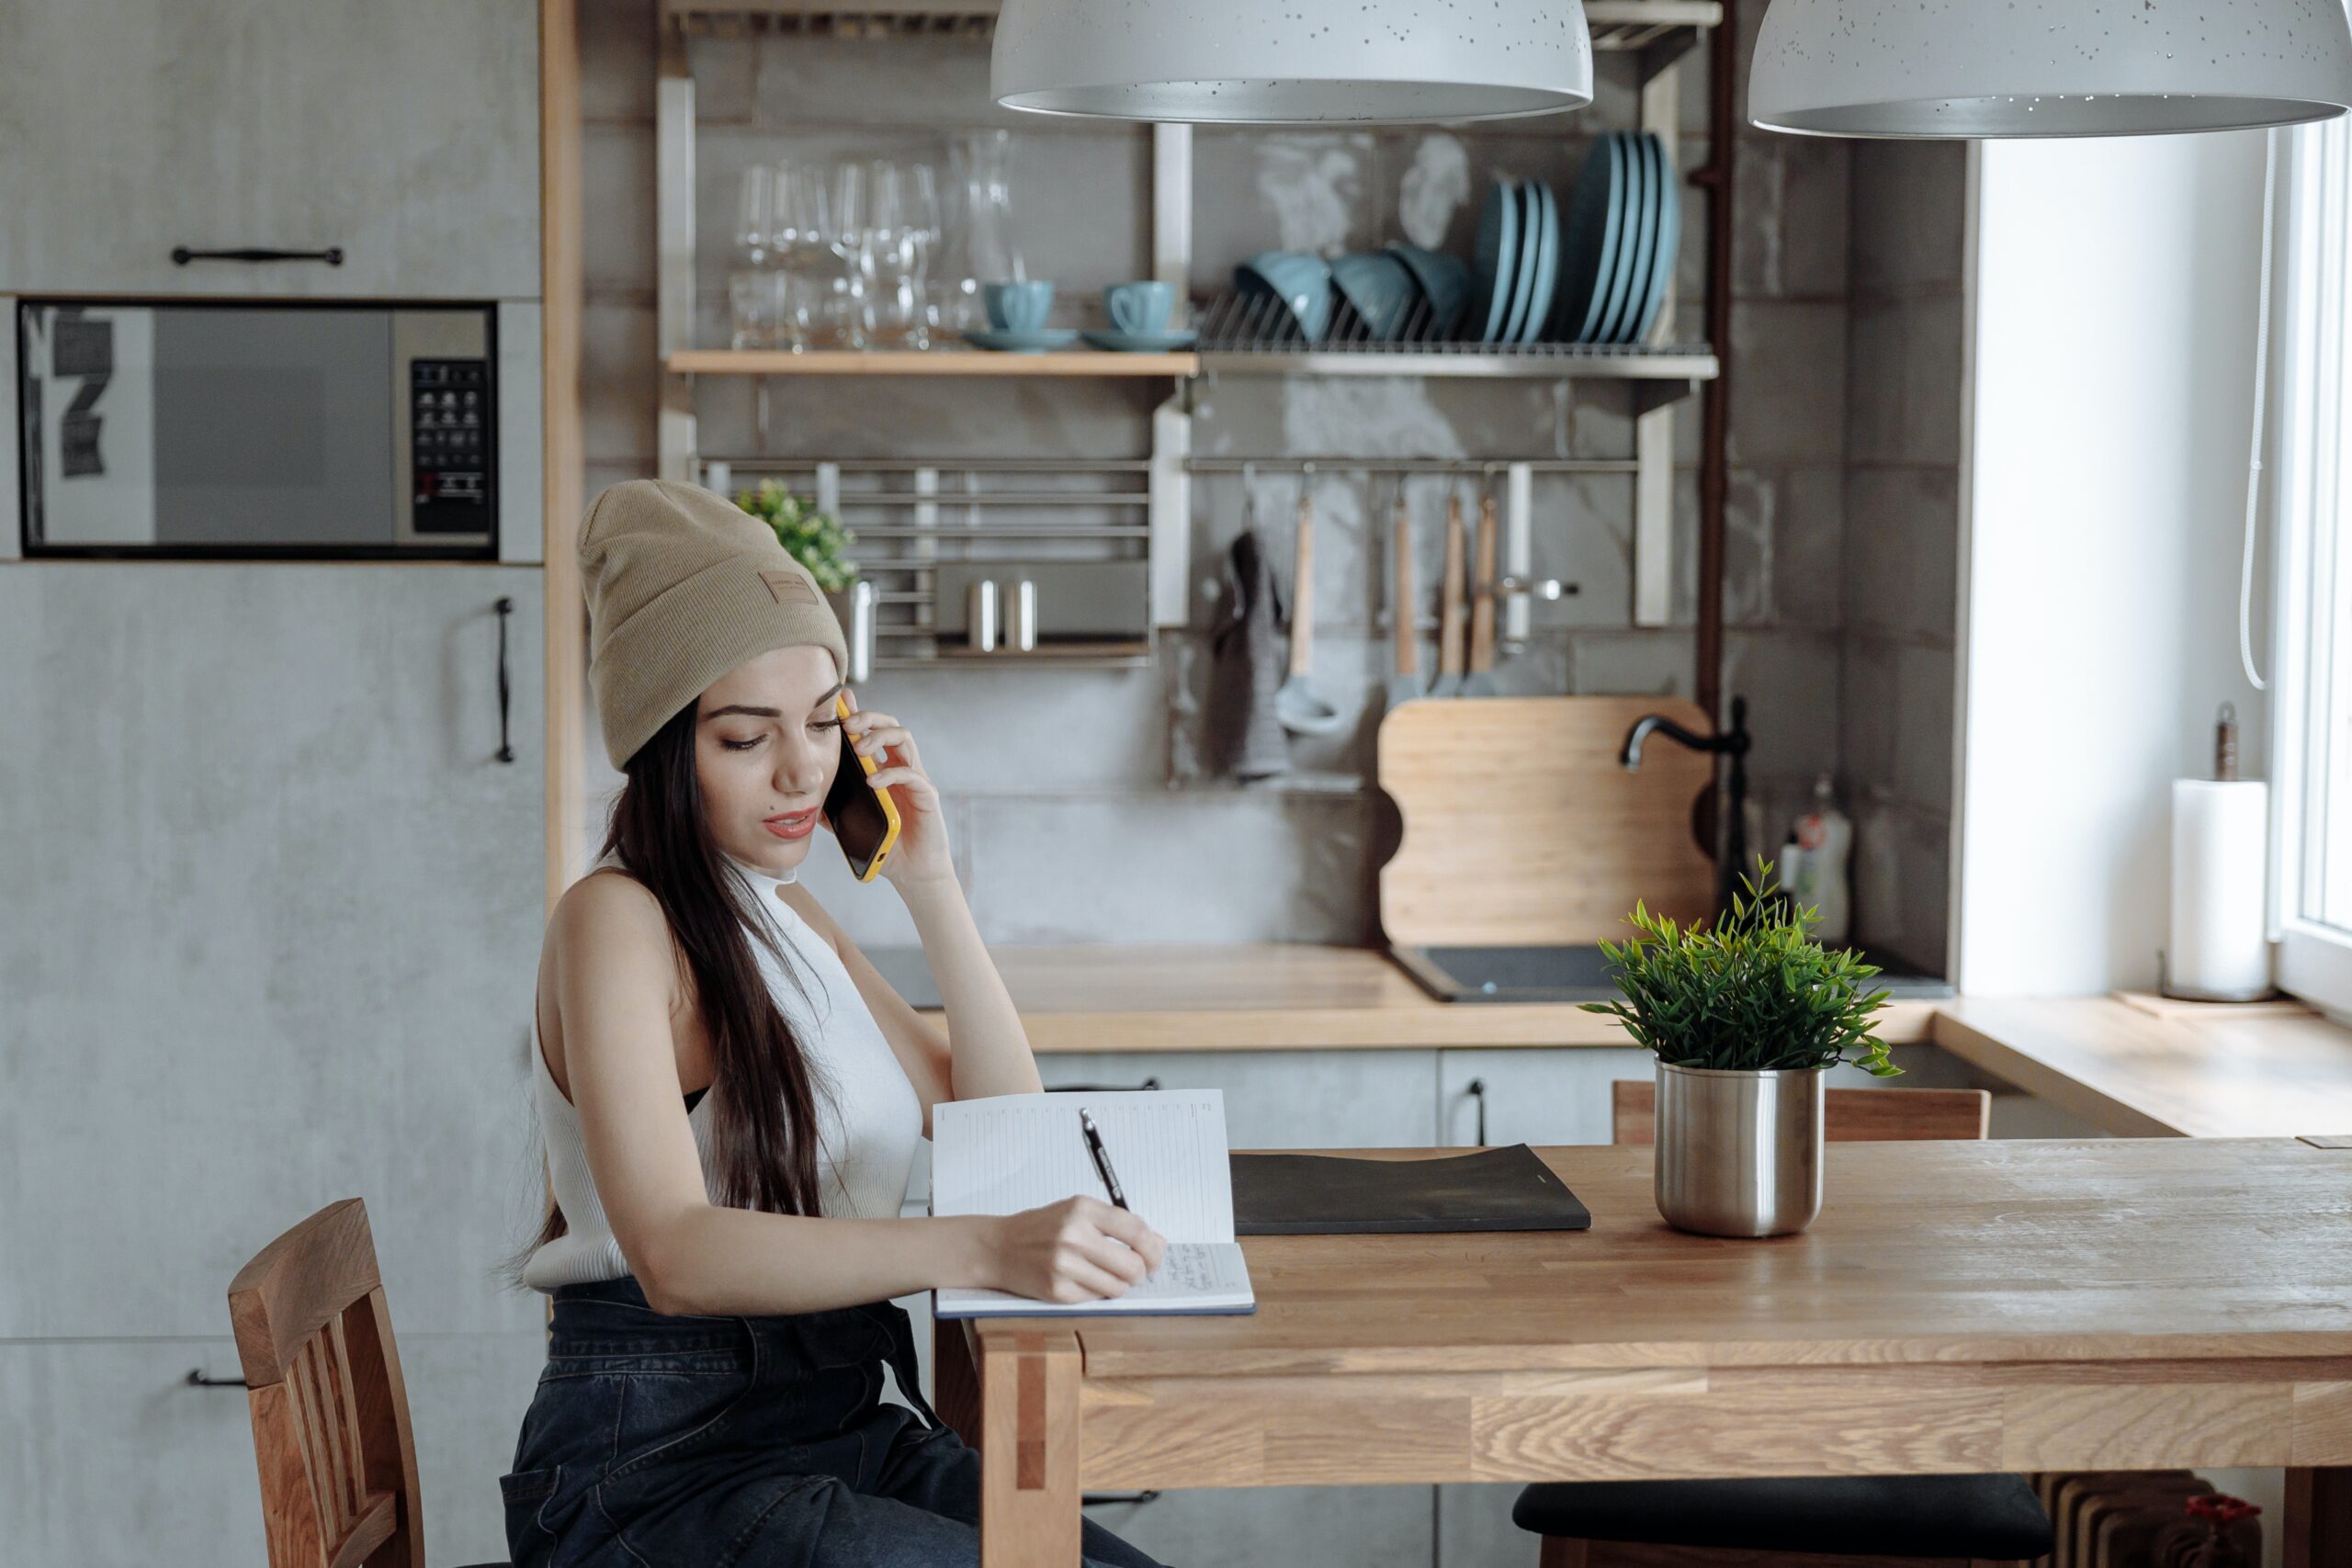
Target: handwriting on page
(1013, 1152)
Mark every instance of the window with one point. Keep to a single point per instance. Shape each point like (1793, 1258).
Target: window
(2311, 762)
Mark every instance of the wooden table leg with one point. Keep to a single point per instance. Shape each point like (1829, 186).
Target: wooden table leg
(2318, 1526)
(1029, 1430)
(954, 1379)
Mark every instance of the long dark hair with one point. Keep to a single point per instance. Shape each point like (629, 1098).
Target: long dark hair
(763, 1161)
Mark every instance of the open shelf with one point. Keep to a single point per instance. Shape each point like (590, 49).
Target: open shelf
(1678, 363)
(1536, 361)
(924, 362)
(1616, 25)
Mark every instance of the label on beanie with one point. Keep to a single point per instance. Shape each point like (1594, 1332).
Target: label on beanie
(789, 588)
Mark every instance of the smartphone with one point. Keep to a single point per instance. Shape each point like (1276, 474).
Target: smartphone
(864, 820)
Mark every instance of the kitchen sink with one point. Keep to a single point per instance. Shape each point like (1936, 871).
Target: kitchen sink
(1575, 974)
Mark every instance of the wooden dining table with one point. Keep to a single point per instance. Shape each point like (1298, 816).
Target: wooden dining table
(2123, 1305)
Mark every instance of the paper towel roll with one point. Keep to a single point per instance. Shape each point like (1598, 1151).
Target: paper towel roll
(2221, 848)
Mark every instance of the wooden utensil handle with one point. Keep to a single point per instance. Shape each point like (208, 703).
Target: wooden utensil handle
(1401, 608)
(1449, 652)
(1302, 590)
(1482, 593)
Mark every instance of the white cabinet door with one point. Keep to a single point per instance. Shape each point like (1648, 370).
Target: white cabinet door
(1284, 1099)
(108, 1456)
(1533, 1096)
(405, 134)
(272, 910)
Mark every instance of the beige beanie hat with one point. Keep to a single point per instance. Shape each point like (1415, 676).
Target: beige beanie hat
(683, 585)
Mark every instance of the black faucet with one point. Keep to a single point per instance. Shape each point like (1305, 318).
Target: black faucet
(1732, 743)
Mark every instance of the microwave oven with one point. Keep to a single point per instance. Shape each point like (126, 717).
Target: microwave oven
(301, 429)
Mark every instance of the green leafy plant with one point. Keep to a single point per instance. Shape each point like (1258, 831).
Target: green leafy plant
(816, 540)
(1753, 991)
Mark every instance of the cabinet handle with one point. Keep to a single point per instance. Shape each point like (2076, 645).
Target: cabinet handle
(1101, 1087)
(196, 1379)
(332, 255)
(505, 687)
(1477, 1090)
(1137, 1499)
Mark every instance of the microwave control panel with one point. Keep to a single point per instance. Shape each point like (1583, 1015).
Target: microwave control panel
(449, 435)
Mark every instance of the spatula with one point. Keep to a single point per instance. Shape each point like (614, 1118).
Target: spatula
(1481, 682)
(1405, 682)
(1302, 711)
(1448, 612)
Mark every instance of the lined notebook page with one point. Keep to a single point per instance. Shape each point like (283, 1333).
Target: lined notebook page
(1195, 1276)
(1023, 1151)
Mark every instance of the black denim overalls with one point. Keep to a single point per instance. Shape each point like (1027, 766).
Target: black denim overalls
(663, 1441)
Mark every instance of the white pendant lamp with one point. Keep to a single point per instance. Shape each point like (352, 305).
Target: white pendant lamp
(1994, 68)
(1293, 61)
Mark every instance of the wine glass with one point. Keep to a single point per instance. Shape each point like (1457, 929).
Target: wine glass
(893, 301)
(844, 310)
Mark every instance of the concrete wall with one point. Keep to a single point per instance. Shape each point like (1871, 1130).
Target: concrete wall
(1902, 544)
(1165, 854)
(2117, 286)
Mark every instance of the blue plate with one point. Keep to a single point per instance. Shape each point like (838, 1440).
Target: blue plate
(1379, 288)
(1495, 257)
(1669, 240)
(1038, 342)
(1522, 287)
(1634, 246)
(1300, 280)
(1596, 213)
(1445, 286)
(1138, 343)
(1547, 263)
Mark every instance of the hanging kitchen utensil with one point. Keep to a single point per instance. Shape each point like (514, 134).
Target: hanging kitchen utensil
(1481, 682)
(1405, 680)
(1300, 709)
(1449, 610)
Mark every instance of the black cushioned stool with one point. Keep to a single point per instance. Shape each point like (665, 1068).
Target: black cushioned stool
(1888, 1519)
(1983, 1518)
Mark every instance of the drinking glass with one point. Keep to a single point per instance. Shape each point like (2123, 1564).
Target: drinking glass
(843, 312)
(804, 254)
(893, 298)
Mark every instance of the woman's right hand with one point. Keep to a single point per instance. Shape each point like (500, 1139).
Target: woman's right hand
(1079, 1249)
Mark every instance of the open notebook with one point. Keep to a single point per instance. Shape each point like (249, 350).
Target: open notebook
(1022, 1151)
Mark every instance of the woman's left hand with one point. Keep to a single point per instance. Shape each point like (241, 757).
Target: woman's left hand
(921, 855)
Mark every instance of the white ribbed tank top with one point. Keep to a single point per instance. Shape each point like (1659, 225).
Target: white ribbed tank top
(869, 1119)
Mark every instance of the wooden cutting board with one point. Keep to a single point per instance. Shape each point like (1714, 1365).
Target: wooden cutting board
(1523, 828)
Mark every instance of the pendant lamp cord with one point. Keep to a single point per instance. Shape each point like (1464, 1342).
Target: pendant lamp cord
(2261, 389)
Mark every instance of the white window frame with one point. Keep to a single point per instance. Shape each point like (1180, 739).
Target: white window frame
(2310, 529)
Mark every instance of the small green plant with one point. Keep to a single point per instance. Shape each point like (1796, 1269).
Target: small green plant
(1751, 992)
(815, 539)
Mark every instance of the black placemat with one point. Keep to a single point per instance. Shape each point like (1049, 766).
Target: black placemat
(1494, 1190)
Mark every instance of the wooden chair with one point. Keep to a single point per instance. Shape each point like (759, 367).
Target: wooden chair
(331, 1430)
(1867, 1521)
(1848, 1115)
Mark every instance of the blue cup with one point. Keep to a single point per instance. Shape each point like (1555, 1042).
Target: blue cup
(1138, 310)
(1018, 307)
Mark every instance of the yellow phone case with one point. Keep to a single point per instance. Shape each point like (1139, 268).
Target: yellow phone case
(889, 806)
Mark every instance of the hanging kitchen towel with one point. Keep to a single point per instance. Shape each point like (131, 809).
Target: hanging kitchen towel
(1247, 651)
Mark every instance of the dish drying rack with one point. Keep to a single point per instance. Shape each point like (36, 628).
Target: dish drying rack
(1236, 339)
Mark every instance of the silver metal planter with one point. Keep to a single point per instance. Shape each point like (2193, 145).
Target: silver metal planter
(1738, 1153)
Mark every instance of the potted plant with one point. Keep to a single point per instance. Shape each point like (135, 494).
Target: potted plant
(1744, 1016)
(818, 541)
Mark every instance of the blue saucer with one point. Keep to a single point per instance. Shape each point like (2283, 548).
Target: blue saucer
(1038, 342)
(1138, 343)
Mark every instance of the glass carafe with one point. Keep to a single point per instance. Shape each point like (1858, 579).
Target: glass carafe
(976, 236)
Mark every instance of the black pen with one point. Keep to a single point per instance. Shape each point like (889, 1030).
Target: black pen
(1102, 1160)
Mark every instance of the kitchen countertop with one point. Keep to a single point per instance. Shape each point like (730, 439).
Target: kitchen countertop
(1280, 997)
(2141, 1067)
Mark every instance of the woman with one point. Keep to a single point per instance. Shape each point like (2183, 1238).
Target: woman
(731, 1096)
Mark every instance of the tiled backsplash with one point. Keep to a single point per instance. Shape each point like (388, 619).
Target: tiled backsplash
(1077, 804)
